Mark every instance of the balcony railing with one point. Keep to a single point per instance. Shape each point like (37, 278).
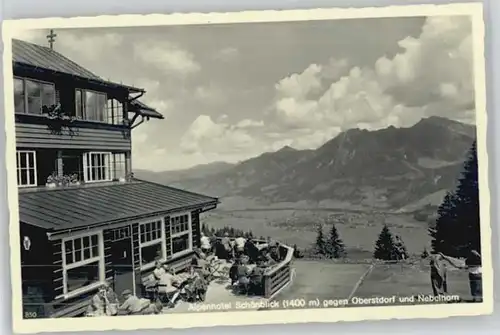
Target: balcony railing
(279, 276)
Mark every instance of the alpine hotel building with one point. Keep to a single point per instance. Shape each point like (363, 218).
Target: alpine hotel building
(84, 218)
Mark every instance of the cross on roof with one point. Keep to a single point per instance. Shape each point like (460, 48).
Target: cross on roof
(51, 38)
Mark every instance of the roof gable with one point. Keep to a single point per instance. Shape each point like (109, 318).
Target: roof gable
(46, 58)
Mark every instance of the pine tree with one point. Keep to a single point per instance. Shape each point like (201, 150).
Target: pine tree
(384, 247)
(334, 245)
(442, 233)
(457, 229)
(468, 207)
(320, 245)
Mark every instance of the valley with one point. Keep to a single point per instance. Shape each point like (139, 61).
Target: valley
(358, 229)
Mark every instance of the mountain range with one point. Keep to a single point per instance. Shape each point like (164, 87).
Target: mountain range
(397, 168)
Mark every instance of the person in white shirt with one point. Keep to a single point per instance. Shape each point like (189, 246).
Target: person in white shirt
(159, 270)
(239, 245)
(206, 246)
(228, 248)
(168, 285)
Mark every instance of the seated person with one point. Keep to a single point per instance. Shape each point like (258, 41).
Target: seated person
(97, 305)
(206, 245)
(256, 279)
(211, 257)
(233, 272)
(228, 247)
(239, 245)
(135, 306)
(111, 299)
(267, 259)
(196, 287)
(168, 285)
(243, 273)
(201, 264)
(159, 270)
(251, 251)
(111, 296)
(274, 251)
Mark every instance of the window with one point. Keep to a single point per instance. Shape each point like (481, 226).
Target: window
(96, 166)
(91, 106)
(73, 164)
(83, 262)
(118, 166)
(181, 233)
(152, 242)
(115, 112)
(31, 95)
(26, 168)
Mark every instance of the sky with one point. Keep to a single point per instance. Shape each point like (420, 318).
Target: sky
(233, 91)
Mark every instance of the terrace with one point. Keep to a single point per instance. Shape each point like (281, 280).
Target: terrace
(220, 296)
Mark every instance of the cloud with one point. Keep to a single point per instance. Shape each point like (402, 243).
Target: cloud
(432, 75)
(247, 123)
(151, 86)
(301, 84)
(89, 47)
(210, 94)
(166, 57)
(227, 54)
(206, 136)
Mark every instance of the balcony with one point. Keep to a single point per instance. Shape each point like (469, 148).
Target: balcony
(41, 132)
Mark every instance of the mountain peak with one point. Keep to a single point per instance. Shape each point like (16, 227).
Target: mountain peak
(437, 120)
(286, 148)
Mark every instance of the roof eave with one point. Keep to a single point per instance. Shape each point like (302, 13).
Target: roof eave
(55, 232)
(152, 114)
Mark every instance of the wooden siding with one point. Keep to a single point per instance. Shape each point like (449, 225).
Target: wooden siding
(72, 307)
(78, 136)
(196, 229)
(36, 272)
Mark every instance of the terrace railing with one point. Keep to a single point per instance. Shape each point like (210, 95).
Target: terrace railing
(279, 276)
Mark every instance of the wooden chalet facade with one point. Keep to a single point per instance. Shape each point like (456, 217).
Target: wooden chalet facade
(84, 219)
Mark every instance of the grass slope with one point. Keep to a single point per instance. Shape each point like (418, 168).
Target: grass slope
(325, 280)
(406, 280)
